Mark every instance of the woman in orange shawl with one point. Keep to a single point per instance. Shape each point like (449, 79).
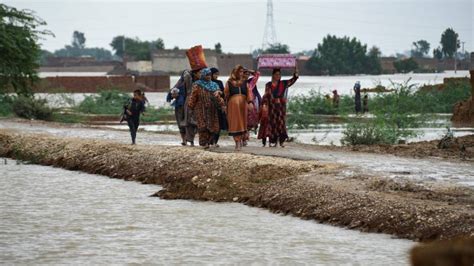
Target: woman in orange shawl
(238, 94)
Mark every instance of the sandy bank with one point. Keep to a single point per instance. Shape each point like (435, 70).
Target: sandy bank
(307, 189)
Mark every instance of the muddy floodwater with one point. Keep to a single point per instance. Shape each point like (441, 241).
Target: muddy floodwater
(55, 216)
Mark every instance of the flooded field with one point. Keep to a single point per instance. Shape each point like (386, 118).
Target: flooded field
(324, 84)
(54, 216)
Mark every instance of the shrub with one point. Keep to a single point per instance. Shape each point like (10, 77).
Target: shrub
(6, 105)
(105, 102)
(31, 108)
(395, 118)
(368, 134)
(405, 65)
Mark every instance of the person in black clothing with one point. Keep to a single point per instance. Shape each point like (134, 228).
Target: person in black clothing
(358, 107)
(222, 115)
(134, 108)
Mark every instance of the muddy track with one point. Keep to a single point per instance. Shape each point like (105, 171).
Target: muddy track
(307, 189)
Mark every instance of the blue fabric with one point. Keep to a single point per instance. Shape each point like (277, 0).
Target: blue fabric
(207, 85)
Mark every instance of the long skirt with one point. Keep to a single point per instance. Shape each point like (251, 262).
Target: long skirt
(274, 127)
(180, 119)
(358, 107)
(237, 115)
(206, 137)
(252, 119)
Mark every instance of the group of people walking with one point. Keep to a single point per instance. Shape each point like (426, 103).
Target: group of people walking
(205, 105)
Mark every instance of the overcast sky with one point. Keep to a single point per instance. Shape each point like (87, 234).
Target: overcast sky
(392, 25)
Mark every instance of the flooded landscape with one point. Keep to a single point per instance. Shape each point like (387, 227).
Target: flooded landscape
(150, 133)
(322, 84)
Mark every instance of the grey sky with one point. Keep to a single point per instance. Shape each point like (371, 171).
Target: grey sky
(239, 25)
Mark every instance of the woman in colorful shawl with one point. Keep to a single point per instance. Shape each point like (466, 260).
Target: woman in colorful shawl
(222, 115)
(238, 94)
(273, 110)
(252, 116)
(206, 101)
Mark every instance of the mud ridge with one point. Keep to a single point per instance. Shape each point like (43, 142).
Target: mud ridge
(307, 189)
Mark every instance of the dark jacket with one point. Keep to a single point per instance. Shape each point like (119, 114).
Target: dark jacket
(136, 107)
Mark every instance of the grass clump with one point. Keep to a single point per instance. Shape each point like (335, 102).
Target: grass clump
(104, 102)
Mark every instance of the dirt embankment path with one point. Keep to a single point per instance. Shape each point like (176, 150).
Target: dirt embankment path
(308, 189)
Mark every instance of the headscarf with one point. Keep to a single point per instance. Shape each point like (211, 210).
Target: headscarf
(214, 70)
(205, 84)
(219, 83)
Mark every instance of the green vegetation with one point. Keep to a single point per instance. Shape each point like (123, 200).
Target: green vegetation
(449, 42)
(105, 102)
(19, 49)
(153, 114)
(395, 114)
(6, 103)
(111, 102)
(429, 99)
(135, 48)
(63, 117)
(218, 48)
(394, 120)
(367, 133)
(31, 108)
(335, 56)
(405, 65)
(422, 48)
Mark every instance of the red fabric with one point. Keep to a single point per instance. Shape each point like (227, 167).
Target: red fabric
(196, 57)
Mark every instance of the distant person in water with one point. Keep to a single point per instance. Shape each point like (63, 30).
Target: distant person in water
(365, 104)
(133, 109)
(358, 107)
(335, 99)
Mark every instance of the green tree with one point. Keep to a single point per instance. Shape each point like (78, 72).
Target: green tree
(78, 40)
(437, 53)
(78, 48)
(19, 49)
(277, 48)
(422, 48)
(405, 65)
(449, 42)
(373, 65)
(344, 56)
(218, 48)
(135, 48)
(159, 44)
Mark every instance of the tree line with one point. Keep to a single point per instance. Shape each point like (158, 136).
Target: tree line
(333, 56)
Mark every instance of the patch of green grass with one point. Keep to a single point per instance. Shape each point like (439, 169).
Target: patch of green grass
(105, 102)
(67, 118)
(157, 114)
